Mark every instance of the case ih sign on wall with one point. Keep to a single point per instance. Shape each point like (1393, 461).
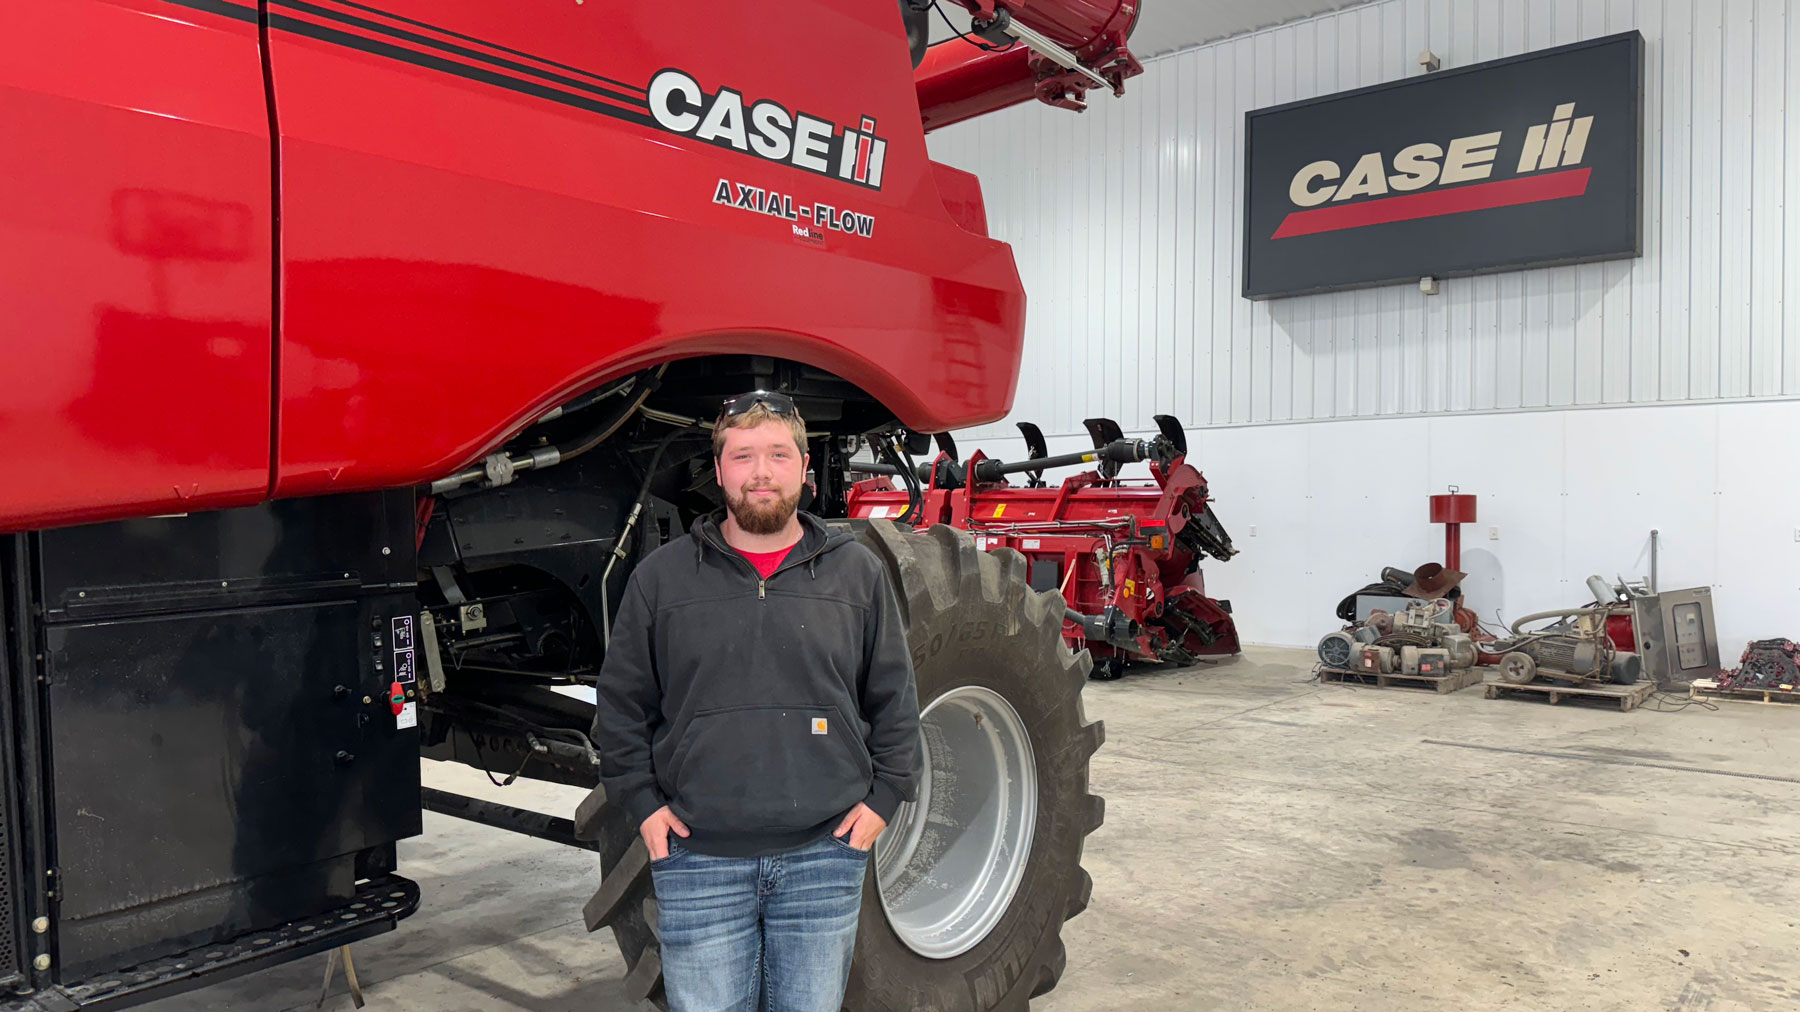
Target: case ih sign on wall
(1523, 162)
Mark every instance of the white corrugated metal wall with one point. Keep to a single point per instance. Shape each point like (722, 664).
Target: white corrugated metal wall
(1126, 221)
(1126, 224)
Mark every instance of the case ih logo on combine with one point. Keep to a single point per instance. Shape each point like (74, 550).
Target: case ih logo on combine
(768, 130)
(1385, 184)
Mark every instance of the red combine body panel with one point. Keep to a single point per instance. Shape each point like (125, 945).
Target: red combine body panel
(484, 210)
(136, 245)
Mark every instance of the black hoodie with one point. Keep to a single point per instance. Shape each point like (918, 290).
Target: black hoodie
(760, 711)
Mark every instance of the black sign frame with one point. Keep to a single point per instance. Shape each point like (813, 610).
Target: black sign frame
(1374, 273)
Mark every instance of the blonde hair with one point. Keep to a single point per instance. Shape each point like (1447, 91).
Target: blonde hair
(759, 414)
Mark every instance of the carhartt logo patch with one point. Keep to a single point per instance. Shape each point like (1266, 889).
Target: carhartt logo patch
(819, 726)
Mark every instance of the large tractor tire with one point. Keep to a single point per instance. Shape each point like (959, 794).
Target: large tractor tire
(970, 885)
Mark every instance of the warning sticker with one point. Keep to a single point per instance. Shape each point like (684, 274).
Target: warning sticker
(404, 667)
(403, 633)
(407, 717)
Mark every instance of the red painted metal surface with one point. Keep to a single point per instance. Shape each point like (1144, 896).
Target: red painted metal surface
(135, 270)
(959, 80)
(479, 219)
(1453, 510)
(961, 192)
(1149, 573)
(462, 256)
(1622, 631)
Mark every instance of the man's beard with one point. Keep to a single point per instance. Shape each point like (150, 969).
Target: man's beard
(755, 516)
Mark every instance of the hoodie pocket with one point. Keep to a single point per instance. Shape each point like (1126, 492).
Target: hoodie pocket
(770, 768)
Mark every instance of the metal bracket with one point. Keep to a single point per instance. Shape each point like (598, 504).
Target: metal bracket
(514, 820)
(1171, 430)
(446, 581)
(331, 962)
(1103, 431)
(428, 646)
(472, 616)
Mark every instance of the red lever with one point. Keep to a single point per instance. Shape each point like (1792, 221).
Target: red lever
(397, 697)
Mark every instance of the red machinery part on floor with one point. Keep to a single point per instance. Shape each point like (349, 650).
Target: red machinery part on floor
(1124, 556)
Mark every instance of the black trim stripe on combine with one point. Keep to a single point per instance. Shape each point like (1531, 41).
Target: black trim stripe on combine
(276, 327)
(491, 45)
(448, 66)
(376, 47)
(220, 7)
(635, 101)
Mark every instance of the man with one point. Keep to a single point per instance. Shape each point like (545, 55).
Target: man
(758, 721)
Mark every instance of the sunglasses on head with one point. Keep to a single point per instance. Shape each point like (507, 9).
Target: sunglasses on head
(780, 404)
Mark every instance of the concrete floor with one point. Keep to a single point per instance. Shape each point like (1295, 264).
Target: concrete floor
(1271, 843)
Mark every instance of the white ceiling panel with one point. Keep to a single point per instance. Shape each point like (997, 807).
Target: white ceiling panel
(1168, 25)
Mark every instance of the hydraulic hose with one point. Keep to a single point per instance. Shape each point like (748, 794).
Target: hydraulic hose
(619, 550)
(915, 494)
(643, 385)
(498, 468)
(1556, 613)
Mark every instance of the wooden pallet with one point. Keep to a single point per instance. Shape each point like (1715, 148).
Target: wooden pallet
(1456, 679)
(1627, 696)
(1706, 688)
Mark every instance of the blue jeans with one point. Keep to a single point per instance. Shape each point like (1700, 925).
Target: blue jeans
(750, 934)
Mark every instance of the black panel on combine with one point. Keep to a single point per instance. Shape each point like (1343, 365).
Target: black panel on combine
(214, 767)
(208, 778)
(296, 549)
(13, 905)
(1528, 161)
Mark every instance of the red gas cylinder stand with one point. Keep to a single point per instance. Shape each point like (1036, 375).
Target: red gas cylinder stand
(1453, 510)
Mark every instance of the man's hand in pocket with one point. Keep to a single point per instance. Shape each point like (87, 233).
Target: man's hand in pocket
(656, 830)
(862, 826)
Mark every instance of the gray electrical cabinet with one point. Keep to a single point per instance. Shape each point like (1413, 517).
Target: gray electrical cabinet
(1676, 636)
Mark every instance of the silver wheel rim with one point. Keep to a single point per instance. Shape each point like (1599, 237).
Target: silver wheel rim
(948, 866)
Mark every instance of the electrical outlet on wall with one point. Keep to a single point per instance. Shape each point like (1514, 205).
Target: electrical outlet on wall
(1494, 534)
(1253, 531)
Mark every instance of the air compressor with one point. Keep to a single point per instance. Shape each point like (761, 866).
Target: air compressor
(1575, 648)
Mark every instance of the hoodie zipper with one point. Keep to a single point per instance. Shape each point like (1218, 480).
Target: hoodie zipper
(762, 582)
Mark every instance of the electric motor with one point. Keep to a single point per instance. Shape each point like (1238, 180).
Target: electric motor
(1337, 649)
(1461, 647)
(1409, 660)
(1416, 620)
(1376, 660)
